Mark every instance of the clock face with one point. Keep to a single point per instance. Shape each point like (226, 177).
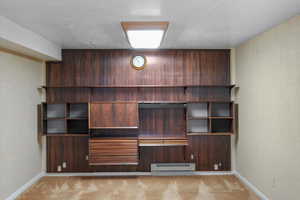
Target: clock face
(138, 62)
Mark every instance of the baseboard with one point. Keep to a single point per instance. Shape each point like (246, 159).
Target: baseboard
(101, 174)
(261, 195)
(24, 187)
(204, 173)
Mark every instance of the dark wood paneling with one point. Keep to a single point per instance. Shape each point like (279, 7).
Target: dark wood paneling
(54, 153)
(113, 168)
(162, 123)
(54, 74)
(75, 154)
(113, 115)
(207, 67)
(207, 151)
(64, 95)
(210, 150)
(150, 155)
(164, 67)
(179, 94)
(72, 150)
(81, 68)
(138, 94)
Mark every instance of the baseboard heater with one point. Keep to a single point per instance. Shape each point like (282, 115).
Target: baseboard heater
(157, 167)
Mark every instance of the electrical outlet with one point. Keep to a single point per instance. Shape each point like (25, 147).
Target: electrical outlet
(59, 168)
(64, 165)
(192, 156)
(216, 167)
(87, 157)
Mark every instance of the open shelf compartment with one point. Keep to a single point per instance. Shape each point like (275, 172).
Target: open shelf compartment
(55, 111)
(65, 118)
(221, 126)
(77, 126)
(197, 110)
(221, 110)
(77, 111)
(198, 126)
(210, 118)
(56, 126)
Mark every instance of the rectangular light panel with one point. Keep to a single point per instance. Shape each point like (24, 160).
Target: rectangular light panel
(145, 39)
(145, 35)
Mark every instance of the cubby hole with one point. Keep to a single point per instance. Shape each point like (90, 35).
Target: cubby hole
(56, 126)
(55, 111)
(197, 126)
(78, 111)
(77, 126)
(162, 120)
(197, 110)
(220, 110)
(221, 126)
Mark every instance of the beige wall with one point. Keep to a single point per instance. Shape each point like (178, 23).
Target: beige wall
(268, 73)
(20, 152)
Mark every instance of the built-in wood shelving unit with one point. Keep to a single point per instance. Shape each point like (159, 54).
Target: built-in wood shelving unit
(216, 134)
(139, 86)
(210, 118)
(202, 118)
(65, 119)
(165, 130)
(68, 134)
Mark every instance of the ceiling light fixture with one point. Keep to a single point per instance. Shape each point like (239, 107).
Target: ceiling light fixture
(145, 35)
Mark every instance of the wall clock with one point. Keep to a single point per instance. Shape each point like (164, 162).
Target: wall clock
(138, 62)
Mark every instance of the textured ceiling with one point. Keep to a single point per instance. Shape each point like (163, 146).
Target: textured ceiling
(193, 23)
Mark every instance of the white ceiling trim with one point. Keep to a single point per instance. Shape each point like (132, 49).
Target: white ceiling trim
(16, 38)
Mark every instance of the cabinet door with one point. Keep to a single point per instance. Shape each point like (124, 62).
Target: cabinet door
(75, 150)
(113, 115)
(54, 154)
(67, 154)
(210, 153)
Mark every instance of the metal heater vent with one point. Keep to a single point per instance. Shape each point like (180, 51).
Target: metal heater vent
(155, 167)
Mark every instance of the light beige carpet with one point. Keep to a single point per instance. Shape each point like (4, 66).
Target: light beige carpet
(139, 188)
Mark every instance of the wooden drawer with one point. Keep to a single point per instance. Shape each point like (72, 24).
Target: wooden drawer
(103, 151)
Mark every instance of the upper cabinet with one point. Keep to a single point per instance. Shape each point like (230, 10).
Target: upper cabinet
(120, 115)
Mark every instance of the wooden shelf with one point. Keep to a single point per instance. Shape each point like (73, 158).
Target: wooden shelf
(55, 118)
(220, 117)
(197, 118)
(138, 86)
(67, 134)
(77, 118)
(184, 102)
(161, 138)
(215, 134)
(150, 102)
(162, 142)
(200, 118)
